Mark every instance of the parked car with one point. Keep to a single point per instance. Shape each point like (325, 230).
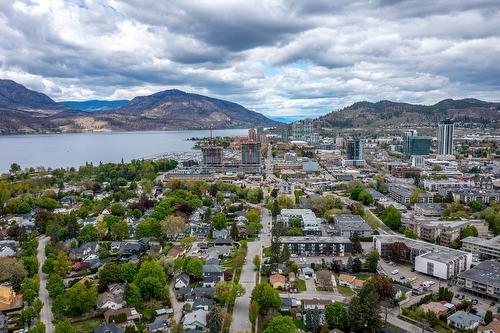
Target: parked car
(394, 272)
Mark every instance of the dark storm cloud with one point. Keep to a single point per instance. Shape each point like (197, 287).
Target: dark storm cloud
(283, 57)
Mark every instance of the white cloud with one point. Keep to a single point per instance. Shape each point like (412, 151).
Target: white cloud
(276, 57)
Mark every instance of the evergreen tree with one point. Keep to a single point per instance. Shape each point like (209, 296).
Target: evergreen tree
(214, 320)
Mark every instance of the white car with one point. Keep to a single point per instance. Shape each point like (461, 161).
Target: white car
(394, 272)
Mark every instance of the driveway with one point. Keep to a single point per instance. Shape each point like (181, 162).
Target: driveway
(46, 312)
(176, 305)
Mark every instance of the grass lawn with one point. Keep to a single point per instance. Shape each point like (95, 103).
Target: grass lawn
(299, 324)
(362, 276)
(266, 251)
(345, 291)
(87, 326)
(301, 285)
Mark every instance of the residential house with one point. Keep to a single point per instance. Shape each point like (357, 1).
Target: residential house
(492, 327)
(202, 303)
(117, 289)
(437, 308)
(463, 320)
(176, 251)
(181, 281)
(130, 313)
(312, 304)
(204, 292)
(213, 271)
(220, 234)
(196, 320)
(401, 290)
(159, 324)
(108, 301)
(324, 279)
(210, 281)
(277, 281)
(288, 303)
(85, 251)
(9, 300)
(109, 328)
(346, 280)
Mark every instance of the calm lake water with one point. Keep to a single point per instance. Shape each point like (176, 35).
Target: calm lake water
(67, 150)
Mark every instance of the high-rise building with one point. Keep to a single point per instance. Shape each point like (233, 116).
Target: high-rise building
(355, 150)
(250, 153)
(252, 135)
(303, 130)
(415, 145)
(445, 137)
(285, 133)
(212, 155)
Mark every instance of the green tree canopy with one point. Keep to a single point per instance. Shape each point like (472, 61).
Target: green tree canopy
(281, 324)
(266, 297)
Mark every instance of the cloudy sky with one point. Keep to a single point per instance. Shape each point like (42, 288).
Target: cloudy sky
(276, 57)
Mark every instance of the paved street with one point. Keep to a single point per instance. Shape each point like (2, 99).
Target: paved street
(176, 305)
(248, 277)
(46, 312)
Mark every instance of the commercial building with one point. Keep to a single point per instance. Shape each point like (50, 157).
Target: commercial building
(485, 248)
(317, 245)
(483, 279)
(348, 225)
(445, 137)
(250, 153)
(355, 155)
(430, 259)
(416, 145)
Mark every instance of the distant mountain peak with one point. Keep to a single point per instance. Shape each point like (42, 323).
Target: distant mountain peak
(16, 96)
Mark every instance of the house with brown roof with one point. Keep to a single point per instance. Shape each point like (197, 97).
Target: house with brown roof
(324, 279)
(346, 280)
(435, 307)
(130, 314)
(176, 251)
(493, 327)
(277, 281)
(315, 303)
(9, 300)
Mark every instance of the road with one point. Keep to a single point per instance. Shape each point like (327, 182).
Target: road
(248, 278)
(46, 313)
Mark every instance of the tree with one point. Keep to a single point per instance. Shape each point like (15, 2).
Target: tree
(109, 274)
(88, 234)
(349, 265)
(438, 198)
(128, 271)
(336, 316)
(470, 231)
(415, 196)
(355, 192)
(275, 208)
(266, 297)
(488, 317)
(410, 234)
(172, 226)
(391, 217)
(253, 313)
(284, 201)
(55, 285)
(365, 197)
(475, 206)
(285, 254)
(150, 279)
(215, 320)
(234, 233)
(356, 265)
(61, 265)
(364, 310)
(80, 298)
(449, 198)
(281, 324)
(219, 197)
(383, 286)
(64, 326)
(102, 229)
(226, 291)
(253, 215)
(256, 261)
(117, 210)
(133, 295)
(119, 230)
(39, 327)
(14, 168)
(219, 221)
(194, 267)
(31, 264)
(12, 269)
(371, 262)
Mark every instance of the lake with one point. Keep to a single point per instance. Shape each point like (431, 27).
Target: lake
(74, 149)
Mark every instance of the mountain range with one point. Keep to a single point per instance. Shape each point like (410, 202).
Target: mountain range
(386, 114)
(26, 111)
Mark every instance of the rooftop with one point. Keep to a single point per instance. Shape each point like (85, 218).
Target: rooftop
(487, 272)
(314, 239)
(494, 242)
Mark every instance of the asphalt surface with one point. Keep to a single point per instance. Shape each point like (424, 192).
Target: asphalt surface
(46, 312)
(248, 278)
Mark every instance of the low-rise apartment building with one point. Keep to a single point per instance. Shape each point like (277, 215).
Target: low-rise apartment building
(317, 245)
(483, 279)
(348, 225)
(485, 248)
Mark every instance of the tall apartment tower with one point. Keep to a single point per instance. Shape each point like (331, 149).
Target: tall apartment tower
(252, 135)
(303, 129)
(250, 153)
(445, 137)
(355, 149)
(212, 155)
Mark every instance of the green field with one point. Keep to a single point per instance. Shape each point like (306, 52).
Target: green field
(345, 291)
(301, 285)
